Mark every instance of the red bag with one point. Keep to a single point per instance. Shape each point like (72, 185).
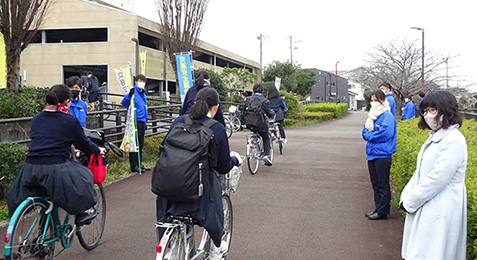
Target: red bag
(97, 168)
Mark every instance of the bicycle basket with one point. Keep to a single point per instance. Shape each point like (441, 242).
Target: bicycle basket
(234, 178)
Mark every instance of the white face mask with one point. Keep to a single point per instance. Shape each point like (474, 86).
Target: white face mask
(406, 100)
(432, 122)
(374, 104)
(141, 85)
(384, 91)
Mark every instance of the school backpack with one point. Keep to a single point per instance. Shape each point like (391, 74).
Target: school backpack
(186, 159)
(253, 114)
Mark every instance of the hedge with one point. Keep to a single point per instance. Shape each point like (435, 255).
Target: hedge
(11, 159)
(27, 103)
(409, 142)
(320, 116)
(338, 110)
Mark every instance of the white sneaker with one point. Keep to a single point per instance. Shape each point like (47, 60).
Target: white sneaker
(267, 160)
(285, 141)
(214, 253)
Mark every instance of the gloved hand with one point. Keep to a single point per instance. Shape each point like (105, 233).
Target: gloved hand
(131, 92)
(237, 155)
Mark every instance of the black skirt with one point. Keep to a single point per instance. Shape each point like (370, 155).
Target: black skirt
(68, 184)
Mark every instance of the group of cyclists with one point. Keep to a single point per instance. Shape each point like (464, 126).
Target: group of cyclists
(50, 170)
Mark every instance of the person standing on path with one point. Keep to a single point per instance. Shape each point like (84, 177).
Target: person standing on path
(408, 108)
(386, 88)
(93, 88)
(78, 107)
(435, 198)
(380, 133)
(140, 103)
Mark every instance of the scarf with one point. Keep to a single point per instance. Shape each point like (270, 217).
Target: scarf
(59, 107)
(374, 113)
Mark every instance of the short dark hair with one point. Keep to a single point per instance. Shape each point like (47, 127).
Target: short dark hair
(386, 85)
(140, 77)
(73, 80)
(273, 92)
(446, 105)
(475, 96)
(422, 94)
(408, 96)
(58, 94)
(258, 88)
(379, 95)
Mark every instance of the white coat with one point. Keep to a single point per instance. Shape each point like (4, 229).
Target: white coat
(436, 200)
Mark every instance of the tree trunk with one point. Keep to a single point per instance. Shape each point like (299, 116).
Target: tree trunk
(13, 72)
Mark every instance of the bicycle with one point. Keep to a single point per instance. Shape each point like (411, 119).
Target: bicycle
(36, 224)
(274, 129)
(255, 151)
(228, 126)
(178, 240)
(235, 119)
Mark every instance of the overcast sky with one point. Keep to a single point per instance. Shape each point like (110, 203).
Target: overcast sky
(325, 32)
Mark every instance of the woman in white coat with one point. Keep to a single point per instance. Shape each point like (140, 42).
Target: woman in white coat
(435, 198)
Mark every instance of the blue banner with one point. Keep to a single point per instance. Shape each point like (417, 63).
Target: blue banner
(185, 73)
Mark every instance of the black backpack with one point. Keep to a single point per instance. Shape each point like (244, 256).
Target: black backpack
(253, 114)
(186, 160)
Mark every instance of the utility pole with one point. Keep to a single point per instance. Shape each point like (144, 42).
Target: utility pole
(447, 72)
(336, 80)
(291, 48)
(260, 38)
(422, 56)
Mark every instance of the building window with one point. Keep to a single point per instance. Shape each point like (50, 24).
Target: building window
(150, 41)
(71, 35)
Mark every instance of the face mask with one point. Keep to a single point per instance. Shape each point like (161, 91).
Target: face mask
(406, 100)
(384, 91)
(431, 121)
(75, 93)
(374, 104)
(141, 85)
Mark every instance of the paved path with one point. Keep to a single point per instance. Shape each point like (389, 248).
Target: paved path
(309, 205)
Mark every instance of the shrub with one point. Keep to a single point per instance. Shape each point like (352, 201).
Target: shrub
(11, 159)
(27, 103)
(409, 142)
(290, 122)
(319, 116)
(338, 110)
(295, 109)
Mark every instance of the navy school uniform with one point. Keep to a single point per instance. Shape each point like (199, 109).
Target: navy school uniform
(208, 209)
(190, 99)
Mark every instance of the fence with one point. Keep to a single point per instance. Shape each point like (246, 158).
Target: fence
(110, 119)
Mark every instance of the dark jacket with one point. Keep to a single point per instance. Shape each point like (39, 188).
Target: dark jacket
(208, 209)
(277, 105)
(190, 99)
(266, 109)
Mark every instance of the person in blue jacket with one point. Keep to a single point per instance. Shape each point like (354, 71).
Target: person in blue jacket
(202, 80)
(386, 88)
(140, 102)
(408, 108)
(207, 211)
(380, 133)
(78, 107)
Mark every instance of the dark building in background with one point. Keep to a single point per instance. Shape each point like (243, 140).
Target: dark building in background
(324, 89)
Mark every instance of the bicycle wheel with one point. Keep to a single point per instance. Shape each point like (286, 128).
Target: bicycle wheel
(173, 249)
(228, 126)
(26, 239)
(236, 125)
(90, 235)
(271, 149)
(228, 225)
(280, 146)
(253, 152)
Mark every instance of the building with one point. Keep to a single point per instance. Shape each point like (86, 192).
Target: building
(93, 35)
(325, 88)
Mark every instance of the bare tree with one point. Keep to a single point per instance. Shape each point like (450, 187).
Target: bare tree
(19, 23)
(400, 65)
(181, 23)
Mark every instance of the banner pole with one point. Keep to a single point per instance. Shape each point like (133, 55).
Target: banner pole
(135, 126)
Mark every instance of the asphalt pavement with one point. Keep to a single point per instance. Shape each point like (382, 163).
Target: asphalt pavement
(309, 205)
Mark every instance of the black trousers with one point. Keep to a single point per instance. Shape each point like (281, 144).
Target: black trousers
(266, 142)
(282, 130)
(133, 157)
(379, 174)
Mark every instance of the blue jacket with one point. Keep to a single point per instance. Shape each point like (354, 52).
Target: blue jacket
(285, 104)
(140, 102)
(409, 110)
(381, 141)
(392, 103)
(79, 110)
(208, 209)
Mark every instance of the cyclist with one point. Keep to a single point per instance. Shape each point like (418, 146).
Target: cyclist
(78, 107)
(202, 80)
(263, 131)
(49, 170)
(276, 103)
(208, 209)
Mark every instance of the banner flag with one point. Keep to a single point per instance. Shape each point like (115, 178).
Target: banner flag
(277, 83)
(142, 56)
(185, 73)
(3, 64)
(129, 143)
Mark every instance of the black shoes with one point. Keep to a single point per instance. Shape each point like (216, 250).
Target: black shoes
(143, 169)
(86, 217)
(369, 213)
(376, 216)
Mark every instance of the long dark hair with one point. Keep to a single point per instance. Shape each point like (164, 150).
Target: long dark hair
(200, 79)
(204, 100)
(273, 92)
(446, 106)
(58, 94)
